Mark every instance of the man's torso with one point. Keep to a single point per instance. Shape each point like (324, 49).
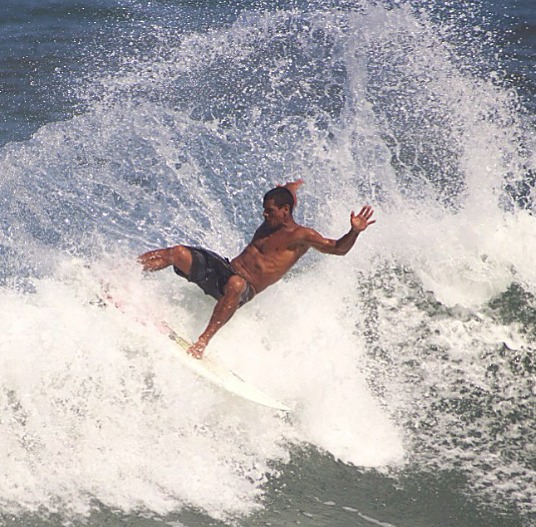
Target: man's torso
(270, 255)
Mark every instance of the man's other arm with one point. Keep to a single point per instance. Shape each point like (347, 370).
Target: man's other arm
(358, 222)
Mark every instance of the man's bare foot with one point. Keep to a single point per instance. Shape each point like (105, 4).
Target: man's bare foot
(197, 349)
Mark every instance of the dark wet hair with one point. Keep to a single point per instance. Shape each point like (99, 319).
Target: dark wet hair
(281, 196)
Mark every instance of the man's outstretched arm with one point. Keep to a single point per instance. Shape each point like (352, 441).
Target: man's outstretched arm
(358, 223)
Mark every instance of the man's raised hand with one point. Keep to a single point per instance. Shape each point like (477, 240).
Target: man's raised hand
(293, 186)
(362, 220)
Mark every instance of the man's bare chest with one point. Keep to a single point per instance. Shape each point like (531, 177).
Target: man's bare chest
(274, 242)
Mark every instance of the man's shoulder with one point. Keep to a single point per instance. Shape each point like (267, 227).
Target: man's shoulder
(298, 231)
(304, 231)
(302, 235)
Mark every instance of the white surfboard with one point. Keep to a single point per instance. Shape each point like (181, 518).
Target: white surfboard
(208, 368)
(217, 373)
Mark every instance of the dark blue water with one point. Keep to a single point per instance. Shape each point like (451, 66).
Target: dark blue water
(48, 46)
(409, 364)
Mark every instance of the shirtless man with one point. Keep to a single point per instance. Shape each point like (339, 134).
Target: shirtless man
(276, 246)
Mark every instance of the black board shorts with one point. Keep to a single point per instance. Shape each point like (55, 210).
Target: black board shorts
(211, 272)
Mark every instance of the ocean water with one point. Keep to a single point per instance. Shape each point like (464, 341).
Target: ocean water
(409, 364)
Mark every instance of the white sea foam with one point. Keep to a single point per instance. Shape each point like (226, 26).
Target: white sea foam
(95, 406)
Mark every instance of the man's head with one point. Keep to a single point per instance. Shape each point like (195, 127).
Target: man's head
(278, 204)
(281, 196)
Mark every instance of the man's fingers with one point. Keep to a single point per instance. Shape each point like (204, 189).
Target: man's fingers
(362, 220)
(297, 183)
(365, 214)
(367, 211)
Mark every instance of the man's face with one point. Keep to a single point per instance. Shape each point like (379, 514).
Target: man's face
(274, 215)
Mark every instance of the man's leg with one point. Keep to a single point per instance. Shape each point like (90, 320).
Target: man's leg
(178, 256)
(225, 308)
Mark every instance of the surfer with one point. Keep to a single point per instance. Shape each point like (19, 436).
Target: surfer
(276, 246)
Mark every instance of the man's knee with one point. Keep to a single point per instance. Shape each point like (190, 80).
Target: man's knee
(180, 257)
(235, 286)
